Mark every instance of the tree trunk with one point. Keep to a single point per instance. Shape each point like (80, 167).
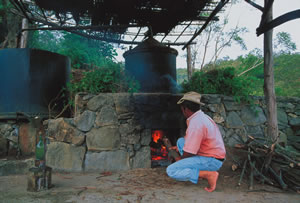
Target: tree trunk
(11, 24)
(269, 91)
(189, 62)
(24, 34)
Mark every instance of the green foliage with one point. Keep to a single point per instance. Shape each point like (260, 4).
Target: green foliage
(105, 79)
(286, 72)
(83, 52)
(181, 74)
(284, 43)
(287, 75)
(219, 81)
(46, 40)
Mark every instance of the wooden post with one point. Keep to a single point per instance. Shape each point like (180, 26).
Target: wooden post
(269, 90)
(189, 62)
(24, 34)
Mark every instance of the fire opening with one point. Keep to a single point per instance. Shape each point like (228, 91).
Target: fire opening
(159, 152)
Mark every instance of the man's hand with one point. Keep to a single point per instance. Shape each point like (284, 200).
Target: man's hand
(178, 158)
(173, 148)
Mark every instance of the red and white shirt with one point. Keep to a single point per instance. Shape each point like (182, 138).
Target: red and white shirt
(203, 137)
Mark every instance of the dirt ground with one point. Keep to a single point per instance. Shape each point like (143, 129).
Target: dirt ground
(140, 185)
(143, 185)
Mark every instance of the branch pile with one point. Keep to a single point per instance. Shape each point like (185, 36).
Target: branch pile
(273, 164)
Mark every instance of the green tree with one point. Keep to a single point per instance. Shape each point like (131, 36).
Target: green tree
(87, 51)
(45, 40)
(83, 52)
(283, 43)
(220, 81)
(10, 25)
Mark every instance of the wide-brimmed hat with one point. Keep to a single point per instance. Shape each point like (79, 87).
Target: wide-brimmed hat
(191, 96)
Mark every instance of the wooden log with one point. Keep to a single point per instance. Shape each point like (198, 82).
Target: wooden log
(243, 172)
(251, 176)
(172, 153)
(261, 175)
(278, 178)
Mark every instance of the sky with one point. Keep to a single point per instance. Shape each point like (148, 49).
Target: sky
(244, 15)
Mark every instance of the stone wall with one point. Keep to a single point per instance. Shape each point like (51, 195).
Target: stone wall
(112, 132)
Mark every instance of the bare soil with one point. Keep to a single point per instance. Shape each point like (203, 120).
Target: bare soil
(142, 185)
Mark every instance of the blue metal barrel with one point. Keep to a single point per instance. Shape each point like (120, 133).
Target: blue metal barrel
(153, 65)
(30, 80)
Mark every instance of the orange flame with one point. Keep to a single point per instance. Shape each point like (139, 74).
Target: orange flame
(156, 135)
(163, 153)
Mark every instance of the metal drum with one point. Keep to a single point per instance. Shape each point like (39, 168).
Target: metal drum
(31, 80)
(153, 65)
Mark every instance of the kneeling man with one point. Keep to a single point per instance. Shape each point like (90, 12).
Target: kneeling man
(202, 149)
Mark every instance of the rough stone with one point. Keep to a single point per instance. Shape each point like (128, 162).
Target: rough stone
(131, 138)
(107, 161)
(253, 115)
(292, 115)
(282, 138)
(99, 101)
(289, 132)
(242, 134)
(126, 129)
(228, 134)
(142, 158)
(13, 149)
(80, 103)
(233, 120)
(137, 146)
(87, 97)
(290, 107)
(5, 130)
(64, 132)
(107, 116)
(217, 108)
(222, 131)
(294, 122)
(85, 121)
(146, 137)
(13, 167)
(254, 131)
(130, 150)
(228, 98)
(125, 116)
(282, 118)
(211, 99)
(233, 140)
(232, 106)
(105, 138)
(123, 103)
(14, 134)
(218, 118)
(65, 157)
(3, 146)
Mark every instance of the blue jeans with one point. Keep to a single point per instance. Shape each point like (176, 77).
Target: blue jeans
(188, 169)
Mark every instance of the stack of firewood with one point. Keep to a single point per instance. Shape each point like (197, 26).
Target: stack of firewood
(274, 164)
